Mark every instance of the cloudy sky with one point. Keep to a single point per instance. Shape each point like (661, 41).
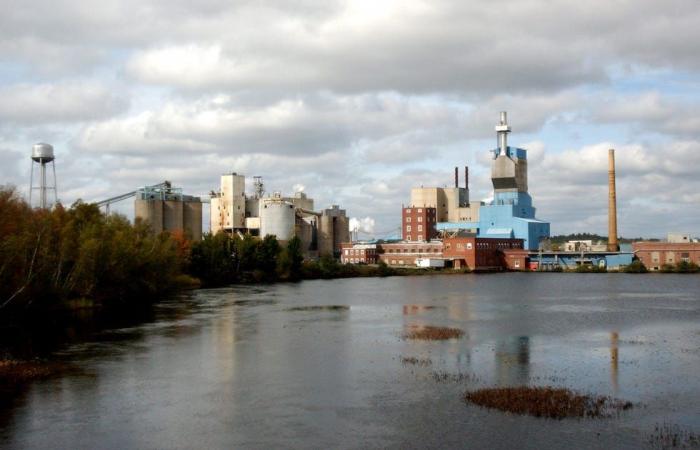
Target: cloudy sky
(357, 101)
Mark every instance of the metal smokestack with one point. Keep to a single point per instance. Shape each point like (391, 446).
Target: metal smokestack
(456, 177)
(612, 204)
(502, 130)
(466, 177)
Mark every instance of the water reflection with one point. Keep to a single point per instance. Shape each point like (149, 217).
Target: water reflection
(513, 361)
(614, 358)
(314, 364)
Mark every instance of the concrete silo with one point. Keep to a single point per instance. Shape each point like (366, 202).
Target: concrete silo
(277, 217)
(333, 229)
(166, 208)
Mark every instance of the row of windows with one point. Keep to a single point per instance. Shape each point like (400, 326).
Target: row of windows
(417, 250)
(419, 219)
(408, 228)
(356, 251)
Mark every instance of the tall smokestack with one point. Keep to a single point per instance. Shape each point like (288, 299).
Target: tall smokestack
(466, 177)
(612, 204)
(456, 177)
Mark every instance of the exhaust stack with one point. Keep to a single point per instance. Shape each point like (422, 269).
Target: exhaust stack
(503, 129)
(466, 177)
(612, 204)
(456, 177)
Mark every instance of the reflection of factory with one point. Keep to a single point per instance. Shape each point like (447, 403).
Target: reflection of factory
(233, 211)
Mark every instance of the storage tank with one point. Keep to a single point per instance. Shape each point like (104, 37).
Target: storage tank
(42, 152)
(192, 218)
(151, 212)
(277, 218)
(173, 215)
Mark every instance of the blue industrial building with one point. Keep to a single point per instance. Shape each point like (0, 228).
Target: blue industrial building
(510, 214)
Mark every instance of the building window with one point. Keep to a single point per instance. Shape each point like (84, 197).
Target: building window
(420, 210)
(408, 219)
(420, 227)
(420, 237)
(408, 228)
(517, 263)
(408, 238)
(420, 218)
(408, 211)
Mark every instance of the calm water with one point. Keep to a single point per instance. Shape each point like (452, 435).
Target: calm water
(254, 367)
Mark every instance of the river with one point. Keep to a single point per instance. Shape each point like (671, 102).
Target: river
(322, 364)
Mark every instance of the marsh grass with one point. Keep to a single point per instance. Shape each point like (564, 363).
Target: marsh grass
(321, 308)
(428, 333)
(549, 402)
(412, 360)
(668, 435)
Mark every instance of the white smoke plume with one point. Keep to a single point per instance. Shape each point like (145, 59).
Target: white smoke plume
(298, 187)
(364, 225)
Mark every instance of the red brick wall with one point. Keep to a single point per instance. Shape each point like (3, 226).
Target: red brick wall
(479, 253)
(350, 254)
(406, 253)
(656, 254)
(418, 224)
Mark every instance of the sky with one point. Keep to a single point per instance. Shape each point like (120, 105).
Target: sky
(357, 101)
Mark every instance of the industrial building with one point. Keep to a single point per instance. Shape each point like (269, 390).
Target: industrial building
(561, 260)
(511, 213)
(166, 208)
(232, 211)
(654, 255)
(418, 224)
(450, 204)
(359, 253)
(478, 253)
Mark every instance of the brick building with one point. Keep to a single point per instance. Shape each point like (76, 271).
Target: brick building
(478, 253)
(418, 224)
(517, 259)
(406, 253)
(656, 254)
(358, 253)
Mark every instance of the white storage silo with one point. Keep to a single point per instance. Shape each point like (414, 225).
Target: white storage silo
(277, 218)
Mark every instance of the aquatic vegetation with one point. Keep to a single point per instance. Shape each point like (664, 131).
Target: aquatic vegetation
(446, 377)
(14, 371)
(321, 308)
(412, 360)
(668, 435)
(547, 401)
(430, 333)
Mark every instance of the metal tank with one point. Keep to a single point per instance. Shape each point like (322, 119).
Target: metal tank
(277, 218)
(42, 152)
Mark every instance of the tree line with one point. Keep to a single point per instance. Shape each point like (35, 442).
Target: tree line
(51, 256)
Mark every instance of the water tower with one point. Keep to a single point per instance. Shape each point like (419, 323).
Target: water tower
(42, 154)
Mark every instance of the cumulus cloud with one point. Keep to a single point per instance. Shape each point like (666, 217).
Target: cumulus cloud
(63, 102)
(360, 100)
